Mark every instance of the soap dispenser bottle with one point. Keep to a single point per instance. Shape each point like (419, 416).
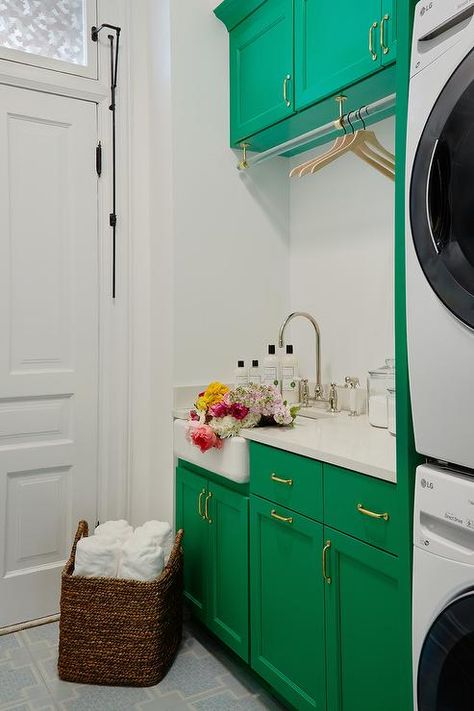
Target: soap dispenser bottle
(254, 373)
(241, 375)
(289, 377)
(271, 368)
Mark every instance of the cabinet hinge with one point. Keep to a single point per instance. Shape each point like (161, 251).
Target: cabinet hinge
(98, 159)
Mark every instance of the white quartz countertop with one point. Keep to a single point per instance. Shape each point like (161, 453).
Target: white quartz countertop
(348, 442)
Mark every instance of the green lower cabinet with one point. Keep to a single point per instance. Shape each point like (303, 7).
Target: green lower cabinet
(287, 603)
(363, 631)
(191, 492)
(228, 599)
(216, 556)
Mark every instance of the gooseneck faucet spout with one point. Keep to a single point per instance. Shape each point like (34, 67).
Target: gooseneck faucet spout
(318, 390)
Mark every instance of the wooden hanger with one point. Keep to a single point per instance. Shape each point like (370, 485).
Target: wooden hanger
(362, 143)
(298, 170)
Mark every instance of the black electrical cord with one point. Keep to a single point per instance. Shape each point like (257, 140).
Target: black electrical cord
(114, 40)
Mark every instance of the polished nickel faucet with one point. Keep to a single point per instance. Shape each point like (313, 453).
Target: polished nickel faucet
(318, 390)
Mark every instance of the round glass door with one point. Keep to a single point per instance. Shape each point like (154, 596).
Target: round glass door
(446, 667)
(442, 195)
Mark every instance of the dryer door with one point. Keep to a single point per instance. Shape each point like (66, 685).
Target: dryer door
(442, 195)
(445, 671)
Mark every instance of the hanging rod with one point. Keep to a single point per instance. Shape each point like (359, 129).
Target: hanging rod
(370, 111)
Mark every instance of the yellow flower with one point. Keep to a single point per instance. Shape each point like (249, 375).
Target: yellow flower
(214, 394)
(201, 403)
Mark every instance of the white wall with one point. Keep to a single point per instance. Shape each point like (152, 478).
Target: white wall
(230, 229)
(341, 264)
(209, 269)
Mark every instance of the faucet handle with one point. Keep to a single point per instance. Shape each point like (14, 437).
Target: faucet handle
(304, 392)
(333, 398)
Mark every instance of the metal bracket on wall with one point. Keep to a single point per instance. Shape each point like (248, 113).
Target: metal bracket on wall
(114, 40)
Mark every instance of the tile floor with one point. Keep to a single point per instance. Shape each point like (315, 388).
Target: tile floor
(203, 678)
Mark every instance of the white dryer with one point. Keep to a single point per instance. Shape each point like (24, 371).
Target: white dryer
(440, 230)
(443, 591)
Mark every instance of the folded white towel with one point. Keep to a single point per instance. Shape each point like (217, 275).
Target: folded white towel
(97, 557)
(141, 558)
(162, 534)
(121, 530)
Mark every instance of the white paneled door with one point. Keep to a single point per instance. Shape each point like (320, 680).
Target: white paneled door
(48, 342)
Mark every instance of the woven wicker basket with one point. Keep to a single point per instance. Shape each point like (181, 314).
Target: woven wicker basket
(120, 632)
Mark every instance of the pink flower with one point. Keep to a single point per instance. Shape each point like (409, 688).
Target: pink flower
(203, 437)
(219, 409)
(193, 415)
(238, 411)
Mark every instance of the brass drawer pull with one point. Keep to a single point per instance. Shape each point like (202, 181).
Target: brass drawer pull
(326, 577)
(383, 44)
(285, 90)
(206, 508)
(373, 27)
(283, 519)
(372, 514)
(203, 492)
(288, 482)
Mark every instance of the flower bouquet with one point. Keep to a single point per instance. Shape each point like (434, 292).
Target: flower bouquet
(221, 412)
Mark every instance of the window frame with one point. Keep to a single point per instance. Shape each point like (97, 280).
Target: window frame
(89, 70)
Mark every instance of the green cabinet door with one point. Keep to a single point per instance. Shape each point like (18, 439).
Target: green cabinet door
(333, 42)
(191, 492)
(261, 69)
(287, 603)
(363, 627)
(388, 31)
(228, 599)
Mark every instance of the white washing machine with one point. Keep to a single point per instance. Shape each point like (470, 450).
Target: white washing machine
(443, 591)
(440, 230)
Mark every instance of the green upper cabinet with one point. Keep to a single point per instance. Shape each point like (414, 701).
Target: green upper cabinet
(228, 602)
(287, 603)
(289, 57)
(363, 632)
(336, 44)
(261, 69)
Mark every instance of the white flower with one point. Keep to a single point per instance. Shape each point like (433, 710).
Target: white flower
(283, 416)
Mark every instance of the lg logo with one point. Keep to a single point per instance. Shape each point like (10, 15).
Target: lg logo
(426, 484)
(426, 8)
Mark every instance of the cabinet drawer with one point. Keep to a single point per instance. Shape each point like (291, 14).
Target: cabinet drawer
(351, 498)
(287, 479)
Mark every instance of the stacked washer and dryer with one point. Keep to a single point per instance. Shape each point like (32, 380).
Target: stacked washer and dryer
(440, 310)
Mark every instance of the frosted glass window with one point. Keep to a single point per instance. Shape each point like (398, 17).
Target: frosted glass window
(48, 28)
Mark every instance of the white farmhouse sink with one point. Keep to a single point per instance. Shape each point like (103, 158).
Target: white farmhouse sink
(231, 462)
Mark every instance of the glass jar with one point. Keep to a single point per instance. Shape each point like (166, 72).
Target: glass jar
(378, 382)
(391, 411)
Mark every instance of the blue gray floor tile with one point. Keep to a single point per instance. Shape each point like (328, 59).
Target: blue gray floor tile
(204, 677)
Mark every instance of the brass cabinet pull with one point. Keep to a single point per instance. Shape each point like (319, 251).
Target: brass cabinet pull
(206, 507)
(326, 577)
(288, 482)
(372, 514)
(284, 519)
(373, 27)
(285, 90)
(383, 24)
(200, 503)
